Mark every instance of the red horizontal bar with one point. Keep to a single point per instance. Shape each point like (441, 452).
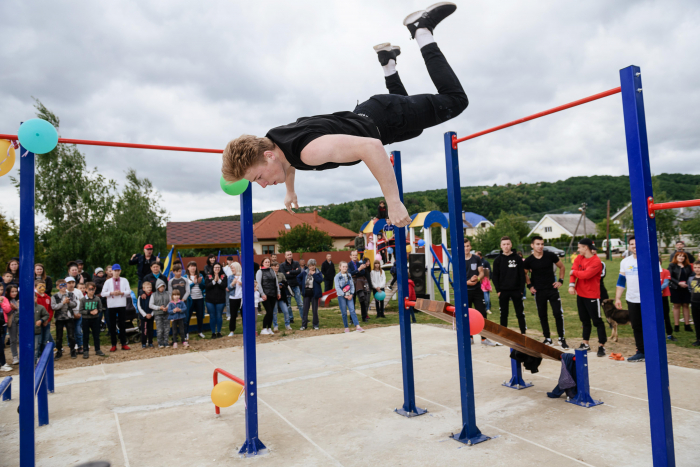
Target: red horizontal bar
(125, 145)
(538, 115)
(671, 205)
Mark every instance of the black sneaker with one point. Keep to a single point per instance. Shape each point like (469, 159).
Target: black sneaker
(100, 353)
(143, 346)
(696, 344)
(428, 18)
(675, 329)
(86, 355)
(547, 341)
(688, 328)
(150, 346)
(671, 338)
(80, 351)
(563, 344)
(73, 354)
(386, 51)
(584, 346)
(58, 355)
(601, 351)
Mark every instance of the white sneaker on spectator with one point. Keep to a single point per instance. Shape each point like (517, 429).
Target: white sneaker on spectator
(289, 328)
(230, 334)
(6, 367)
(174, 345)
(15, 360)
(276, 330)
(264, 332)
(347, 329)
(359, 329)
(201, 335)
(270, 332)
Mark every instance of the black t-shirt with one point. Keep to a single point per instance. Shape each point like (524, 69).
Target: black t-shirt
(293, 138)
(542, 275)
(473, 264)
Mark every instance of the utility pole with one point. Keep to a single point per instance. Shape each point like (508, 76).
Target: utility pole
(608, 254)
(583, 214)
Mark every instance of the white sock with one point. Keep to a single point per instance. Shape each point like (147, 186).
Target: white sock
(424, 37)
(389, 68)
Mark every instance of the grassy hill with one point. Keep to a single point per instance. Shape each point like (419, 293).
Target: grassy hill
(531, 200)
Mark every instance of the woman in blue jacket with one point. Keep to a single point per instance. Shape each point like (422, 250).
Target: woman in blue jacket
(310, 281)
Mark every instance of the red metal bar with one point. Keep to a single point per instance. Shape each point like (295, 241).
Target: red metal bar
(447, 308)
(671, 205)
(125, 145)
(585, 100)
(229, 376)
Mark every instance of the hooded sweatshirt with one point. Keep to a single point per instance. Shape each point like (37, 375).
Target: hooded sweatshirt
(63, 311)
(159, 299)
(40, 313)
(508, 273)
(90, 304)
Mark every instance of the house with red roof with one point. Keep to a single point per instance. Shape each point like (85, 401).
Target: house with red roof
(268, 230)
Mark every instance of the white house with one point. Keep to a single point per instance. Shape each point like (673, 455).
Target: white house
(553, 226)
(473, 221)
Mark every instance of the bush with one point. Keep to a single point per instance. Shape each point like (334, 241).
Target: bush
(304, 238)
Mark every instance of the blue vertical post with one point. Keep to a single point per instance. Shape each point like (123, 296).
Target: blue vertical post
(516, 380)
(409, 408)
(252, 446)
(648, 265)
(470, 434)
(583, 391)
(27, 454)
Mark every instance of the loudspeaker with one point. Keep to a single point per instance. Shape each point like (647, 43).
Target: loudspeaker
(416, 272)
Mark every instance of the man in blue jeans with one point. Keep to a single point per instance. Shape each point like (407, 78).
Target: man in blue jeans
(291, 270)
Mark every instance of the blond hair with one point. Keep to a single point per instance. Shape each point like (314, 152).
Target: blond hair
(243, 153)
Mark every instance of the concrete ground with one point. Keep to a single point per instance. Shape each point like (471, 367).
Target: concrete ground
(329, 400)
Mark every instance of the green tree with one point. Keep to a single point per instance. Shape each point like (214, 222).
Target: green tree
(359, 214)
(692, 226)
(9, 239)
(615, 230)
(86, 216)
(507, 225)
(667, 225)
(304, 238)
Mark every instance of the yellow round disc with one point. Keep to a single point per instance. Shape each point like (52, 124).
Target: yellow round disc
(226, 393)
(7, 156)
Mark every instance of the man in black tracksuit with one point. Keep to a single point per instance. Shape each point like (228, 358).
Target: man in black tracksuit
(543, 284)
(508, 277)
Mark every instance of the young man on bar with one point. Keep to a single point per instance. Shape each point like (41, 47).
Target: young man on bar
(326, 142)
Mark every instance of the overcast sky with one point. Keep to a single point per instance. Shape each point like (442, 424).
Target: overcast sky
(201, 73)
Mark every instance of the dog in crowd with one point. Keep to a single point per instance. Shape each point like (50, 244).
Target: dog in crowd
(615, 317)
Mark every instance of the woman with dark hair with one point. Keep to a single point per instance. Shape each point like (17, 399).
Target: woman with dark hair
(40, 275)
(13, 268)
(196, 299)
(269, 288)
(215, 284)
(209, 267)
(681, 271)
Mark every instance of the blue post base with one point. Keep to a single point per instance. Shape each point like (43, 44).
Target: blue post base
(583, 397)
(462, 437)
(253, 448)
(516, 381)
(411, 413)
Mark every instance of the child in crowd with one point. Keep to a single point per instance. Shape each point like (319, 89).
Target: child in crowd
(91, 310)
(41, 319)
(10, 311)
(345, 288)
(159, 304)
(146, 315)
(77, 295)
(694, 288)
(378, 280)
(63, 306)
(178, 312)
(44, 299)
(258, 298)
(183, 285)
(8, 279)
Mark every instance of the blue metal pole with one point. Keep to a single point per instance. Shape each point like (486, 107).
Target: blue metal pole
(27, 455)
(409, 408)
(252, 446)
(648, 265)
(470, 434)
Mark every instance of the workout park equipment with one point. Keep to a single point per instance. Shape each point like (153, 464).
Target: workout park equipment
(643, 209)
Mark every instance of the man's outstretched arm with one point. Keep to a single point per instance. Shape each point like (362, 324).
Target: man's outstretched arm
(346, 148)
(290, 200)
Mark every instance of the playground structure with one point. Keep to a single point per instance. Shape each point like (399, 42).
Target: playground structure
(647, 253)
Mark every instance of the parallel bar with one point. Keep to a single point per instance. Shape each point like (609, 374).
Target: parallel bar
(538, 115)
(469, 434)
(648, 269)
(6, 388)
(252, 446)
(125, 145)
(409, 408)
(27, 454)
(652, 207)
